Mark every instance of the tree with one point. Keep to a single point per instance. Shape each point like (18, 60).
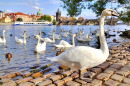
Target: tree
(54, 22)
(46, 17)
(19, 19)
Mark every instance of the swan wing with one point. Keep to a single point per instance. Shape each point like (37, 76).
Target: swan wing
(47, 40)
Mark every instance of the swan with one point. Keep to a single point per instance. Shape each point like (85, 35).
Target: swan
(3, 40)
(65, 34)
(21, 40)
(40, 46)
(66, 44)
(56, 36)
(83, 57)
(93, 32)
(47, 40)
(84, 38)
(26, 35)
(107, 30)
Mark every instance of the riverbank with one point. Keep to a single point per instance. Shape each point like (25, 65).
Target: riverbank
(115, 71)
(10, 23)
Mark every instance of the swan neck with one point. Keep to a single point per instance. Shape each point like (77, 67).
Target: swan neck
(53, 39)
(103, 44)
(73, 41)
(3, 35)
(24, 37)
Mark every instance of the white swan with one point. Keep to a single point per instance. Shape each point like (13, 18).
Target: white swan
(56, 36)
(66, 44)
(47, 40)
(83, 57)
(65, 34)
(40, 46)
(85, 38)
(21, 40)
(3, 40)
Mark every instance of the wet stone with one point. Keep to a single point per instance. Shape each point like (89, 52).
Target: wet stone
(115, 55)
(37, 80)
(128, 58)
(122, 73)
(26, 84)
(66, 73)
(26, 74)
(47, 75)
(111, 82)
(122, 51)
(126, 68)
(124, 61)
(75, 75)
(126, 80)
(5, 80)
(35, 70)
(110, 70)
(46, 66)
(59, 82)
(103, 76)
(12, 75)
(96, 70)
(36, 75)
(117, 77)
(10, 83)
(51, 85)
(119, 57)
(109, 58)
(104, 65)
(72, 83)
(59, 72)
(96, 82)
(23, 80)
(63, 67)
(116, 66)
(81, 81)
(34, 66)
(66, 79)
(87, 80)
(44, 83)
(89, 75)
(55, 77)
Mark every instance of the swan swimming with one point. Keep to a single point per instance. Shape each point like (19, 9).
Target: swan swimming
(82, 57)
(3, 40)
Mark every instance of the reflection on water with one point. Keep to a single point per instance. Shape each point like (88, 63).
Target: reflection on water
(23, 56)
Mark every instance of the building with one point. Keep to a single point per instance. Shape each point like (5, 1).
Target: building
(58, 15)
(6, 19)
(39, 13)
(2, 14)
(53, 17)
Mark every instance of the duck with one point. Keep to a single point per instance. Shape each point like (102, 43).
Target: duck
(3, 40)
(21, 40)
(63, 43)
(83, 57)
(47, 40)
(40, 46)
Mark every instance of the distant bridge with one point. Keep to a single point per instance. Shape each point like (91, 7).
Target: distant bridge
(112, 21)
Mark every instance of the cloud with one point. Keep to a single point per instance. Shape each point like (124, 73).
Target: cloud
(2, 3)
(9, 11)
(37, 4)
(55, 1)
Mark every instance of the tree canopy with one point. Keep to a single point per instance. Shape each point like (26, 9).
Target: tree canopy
(46, 17)
(19, 19)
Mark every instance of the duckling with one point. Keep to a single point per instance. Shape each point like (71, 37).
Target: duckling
(59, 52)
(8, 55)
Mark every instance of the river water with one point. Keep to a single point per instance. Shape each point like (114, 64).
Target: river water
(23, 56)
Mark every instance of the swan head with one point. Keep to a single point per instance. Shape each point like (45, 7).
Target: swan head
(4, 31)
(74, 35)
(109, 12)
(25, 31)
(37, 36)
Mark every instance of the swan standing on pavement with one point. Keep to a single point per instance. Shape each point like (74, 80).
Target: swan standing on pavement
(66, 44)
(3, 40)
(40, 46)
(21, 40)
(83, 57)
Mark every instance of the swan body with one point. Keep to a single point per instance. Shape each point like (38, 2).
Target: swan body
(66, 44)
(56, 36)
(65, 34)
(40, 46)
(85, 38)
(3, 40)
(83, 57)
(26, 35)
(21, 40)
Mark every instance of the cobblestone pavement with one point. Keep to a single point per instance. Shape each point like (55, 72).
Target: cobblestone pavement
(114, 72)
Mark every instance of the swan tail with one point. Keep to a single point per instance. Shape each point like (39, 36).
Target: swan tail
(16, 39)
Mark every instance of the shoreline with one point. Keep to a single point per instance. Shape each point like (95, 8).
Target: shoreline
(114, 71)
(11, 23)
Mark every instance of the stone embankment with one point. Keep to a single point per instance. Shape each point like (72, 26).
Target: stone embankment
(11, 23)
(114, 72)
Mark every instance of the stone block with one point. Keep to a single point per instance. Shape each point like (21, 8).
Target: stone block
(36, 75)
(126, 68)
(26, 74)
(37, 80)
(103, 76)
(47, 75)
(51, 85)
(81, 81)
(23, 80)
(44, 83)
(110, 70)
(75, 75)
(122, 84)
(96, 70)
(122, 72)
(109, 58)
(122, 51)
(111, 82)
(46, 66)
(10, 83)
(124, 61)
(35, 70)
(5, 80)
(72, 83)
(26, 84)
(63, 67)
(66, 73)
(104, 65)
(117, 77)
(116, 66)
(11, 75)
(128, 58)
(126, 80)
(89, 75)
(66, 79)
(96, 82)
(55, 77)
(115, 55)
(119, 57)
(88, 80)
(59, 82)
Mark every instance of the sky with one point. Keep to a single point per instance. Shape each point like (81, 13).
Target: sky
(48, 7)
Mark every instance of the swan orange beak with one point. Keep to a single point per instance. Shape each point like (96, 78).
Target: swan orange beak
(34, 37)
(114, 14)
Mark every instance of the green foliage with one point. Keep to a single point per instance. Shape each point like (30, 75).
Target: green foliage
(19, 19)
(46, 17)
(125, 18)
(73, 7)
(54, 22)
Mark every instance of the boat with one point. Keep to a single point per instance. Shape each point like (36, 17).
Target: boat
(33, 23)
